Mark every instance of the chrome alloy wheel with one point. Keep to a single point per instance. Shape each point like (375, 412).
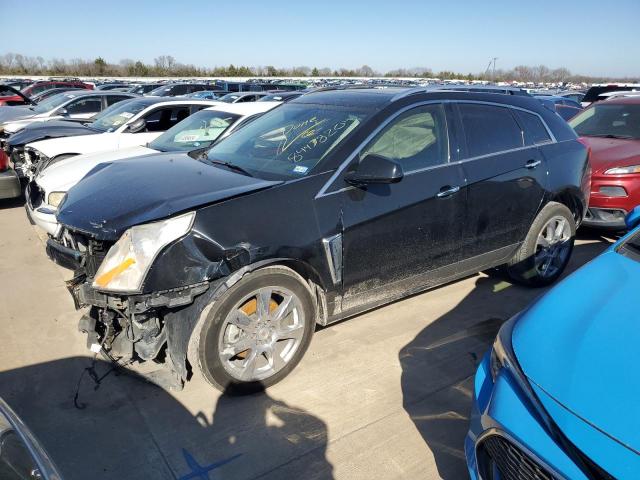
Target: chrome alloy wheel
(261, 334)
(553, 246)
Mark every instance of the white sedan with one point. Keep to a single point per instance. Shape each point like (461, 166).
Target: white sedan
(126, 124)
(75, 105)
(197, 132)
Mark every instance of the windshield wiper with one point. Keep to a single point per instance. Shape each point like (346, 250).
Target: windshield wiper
(230, 166)
(611, 135)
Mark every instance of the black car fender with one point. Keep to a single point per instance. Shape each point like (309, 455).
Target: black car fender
(183, 325)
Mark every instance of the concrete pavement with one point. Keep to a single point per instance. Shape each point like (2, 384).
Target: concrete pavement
(384, 395)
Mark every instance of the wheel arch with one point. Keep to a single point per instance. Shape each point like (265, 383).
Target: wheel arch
(572, 198)
(309, 275)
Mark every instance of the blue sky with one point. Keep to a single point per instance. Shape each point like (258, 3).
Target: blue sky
(588, 36)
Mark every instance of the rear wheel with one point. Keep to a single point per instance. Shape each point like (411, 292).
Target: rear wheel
(256, 334)
(547, 248)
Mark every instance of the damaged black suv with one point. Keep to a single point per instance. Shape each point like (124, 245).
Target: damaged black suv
(337, 202)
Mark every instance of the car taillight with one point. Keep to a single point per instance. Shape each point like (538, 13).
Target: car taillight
(4, 161)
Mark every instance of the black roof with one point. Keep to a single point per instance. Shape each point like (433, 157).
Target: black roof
(360, 97)
(375, 99)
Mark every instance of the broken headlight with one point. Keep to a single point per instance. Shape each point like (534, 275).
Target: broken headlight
(128, 261)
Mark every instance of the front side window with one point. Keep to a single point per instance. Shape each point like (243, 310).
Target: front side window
(489, 129)
(197, 131)
(609, 120)
(163, 119)
(84, 105)
(289, 141)
(416, 139)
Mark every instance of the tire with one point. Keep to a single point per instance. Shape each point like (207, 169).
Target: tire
(527, 266)
(212, 346)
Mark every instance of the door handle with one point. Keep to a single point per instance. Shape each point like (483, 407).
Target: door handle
(532, 164)
(447, 191)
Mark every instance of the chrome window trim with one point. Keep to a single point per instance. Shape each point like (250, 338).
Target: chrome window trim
(510, 438)
(323, 191)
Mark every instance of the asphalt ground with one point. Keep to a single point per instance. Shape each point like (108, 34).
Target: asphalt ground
(380, 396)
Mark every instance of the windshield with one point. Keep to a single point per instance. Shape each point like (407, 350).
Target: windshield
(289, 141)
(197, 131)
(117, 115)
(609, 120)
(52, 102)
(161, 91)
(229, 97)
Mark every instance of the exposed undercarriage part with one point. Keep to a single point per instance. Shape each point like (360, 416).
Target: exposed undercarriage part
(132, 331)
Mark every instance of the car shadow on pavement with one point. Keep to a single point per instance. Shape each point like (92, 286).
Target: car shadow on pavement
(100, 422)
(439, 363)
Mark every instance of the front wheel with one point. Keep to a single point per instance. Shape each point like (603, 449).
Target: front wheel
(546, 250)
(256, 334)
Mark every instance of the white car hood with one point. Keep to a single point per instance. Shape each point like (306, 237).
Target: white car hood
(99, 142)
(61, 176)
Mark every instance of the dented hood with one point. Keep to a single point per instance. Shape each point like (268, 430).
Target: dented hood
(118, 195)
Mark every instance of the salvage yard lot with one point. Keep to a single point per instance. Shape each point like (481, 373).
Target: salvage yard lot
(383, 395)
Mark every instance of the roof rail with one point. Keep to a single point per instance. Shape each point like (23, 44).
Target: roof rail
(409, 91)
(342, 87)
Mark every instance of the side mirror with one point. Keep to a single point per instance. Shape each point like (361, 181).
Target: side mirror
(63, 112)
(137, 126)
(375, 169)
(632, 220)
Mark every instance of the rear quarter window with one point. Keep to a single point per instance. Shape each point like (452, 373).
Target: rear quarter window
(534, 131)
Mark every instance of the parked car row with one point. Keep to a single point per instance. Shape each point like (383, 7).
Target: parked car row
(219, 245)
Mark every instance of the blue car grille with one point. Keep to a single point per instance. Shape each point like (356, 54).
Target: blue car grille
(499, 459)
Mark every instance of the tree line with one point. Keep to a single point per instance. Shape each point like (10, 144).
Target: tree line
(168, 66)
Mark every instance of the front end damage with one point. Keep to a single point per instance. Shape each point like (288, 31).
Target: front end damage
(148, 332)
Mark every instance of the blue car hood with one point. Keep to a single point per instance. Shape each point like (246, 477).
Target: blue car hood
(580, 345)
(117, 195)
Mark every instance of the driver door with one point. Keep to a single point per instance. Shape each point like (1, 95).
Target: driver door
(401, 237)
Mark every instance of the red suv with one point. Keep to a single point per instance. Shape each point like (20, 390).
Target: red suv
(611, 129)
(39, 87)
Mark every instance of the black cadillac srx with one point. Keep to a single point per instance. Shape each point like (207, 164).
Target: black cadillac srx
(334, 203)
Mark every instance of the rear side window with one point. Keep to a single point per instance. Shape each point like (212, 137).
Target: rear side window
(84, 105)
(534, 131)
(489, 129)
(111, 99)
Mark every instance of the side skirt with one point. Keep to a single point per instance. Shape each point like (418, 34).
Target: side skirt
(428, 280)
